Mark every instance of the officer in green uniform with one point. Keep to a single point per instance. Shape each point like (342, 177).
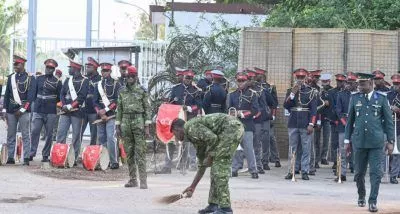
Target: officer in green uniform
(215, 137)
(132, 123)
(369, 119)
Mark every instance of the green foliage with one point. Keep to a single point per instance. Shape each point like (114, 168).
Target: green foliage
(10, 15)
(261, 2)
(359, 14)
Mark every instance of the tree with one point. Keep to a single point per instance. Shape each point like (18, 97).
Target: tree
(10, 15)
(361, 14)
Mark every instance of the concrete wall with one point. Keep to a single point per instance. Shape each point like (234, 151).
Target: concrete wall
(281, 50)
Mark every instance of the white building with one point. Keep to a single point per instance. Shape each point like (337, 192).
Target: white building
(198, 16)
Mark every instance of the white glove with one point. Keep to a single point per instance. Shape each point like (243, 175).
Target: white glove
(241, 115)
(22, 110)
(319, 122)
(189, 109)
(107, 109)
(346, 141)
(239, 148)
(4, 110)
(273, 118)
(69, 107)
(292, 95)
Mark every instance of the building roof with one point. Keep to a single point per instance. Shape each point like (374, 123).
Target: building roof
(237, 8)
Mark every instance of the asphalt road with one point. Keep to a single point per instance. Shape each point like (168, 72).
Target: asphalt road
(37, 189)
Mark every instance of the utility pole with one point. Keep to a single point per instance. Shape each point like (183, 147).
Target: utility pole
(31, 44)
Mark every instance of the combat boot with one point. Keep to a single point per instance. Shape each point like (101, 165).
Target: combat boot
(164, 170)
(260, 170)
(143, 184)
(317, 166)
(131, 183)
(254, 175)
(114, 166)
(10, 161)
(277, 164)
(234, 174)
(266, 167)
(225, 210)
(289, 176)
(342, 178)
(211, 208)
(393, 180)
(304, 176)
(26, 162)
(324, 162)
(45, 159)
(31, 158)
(334, 165)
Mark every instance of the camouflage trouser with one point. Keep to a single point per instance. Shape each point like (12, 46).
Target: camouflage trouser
(135, 147)
(221, 167)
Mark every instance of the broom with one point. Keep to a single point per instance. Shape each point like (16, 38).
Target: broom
(174, 198)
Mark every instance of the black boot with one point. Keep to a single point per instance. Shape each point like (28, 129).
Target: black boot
(26, 162)
(266, 167)
(114, 166)
(289, 176)
(31, 158)
(260, 170)
(234, 174)
(131, 183)
(361, 202)
(316, 165)
(342, 178)
(254, 175)
(164, 170)
(312, 172)
(304, 176)
(393, 180)
(277, 164)
(45, 159)
(324, 162)
(224, 210)
(10, 161)
(209, 209)
(373, 208)
(334, 165)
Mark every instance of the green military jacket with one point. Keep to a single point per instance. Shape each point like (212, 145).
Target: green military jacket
(206, 134)
(133, 101)
(369, 120)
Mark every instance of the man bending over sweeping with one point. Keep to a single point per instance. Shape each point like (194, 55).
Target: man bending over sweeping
(216, 138)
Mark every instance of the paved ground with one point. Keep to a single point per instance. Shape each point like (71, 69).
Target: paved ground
(35, 189)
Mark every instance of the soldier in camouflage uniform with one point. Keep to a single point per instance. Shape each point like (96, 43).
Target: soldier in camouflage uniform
(215, 137)
(133, 119)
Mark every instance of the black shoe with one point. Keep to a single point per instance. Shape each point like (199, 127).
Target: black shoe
(373, 208)
(324, 162)
(351, 170)
(260, 170)
(164, 170)
(393, 180)
(10, 161)
(266, 167)
(361, 202)
(234, 174)
(316, 165)
(254, 175)
(131, 183)
(277, 164)
(312, 172)
(209, 209)
(30, 158)
(227, 210)
(297, 172)
(75, 164)
(304, 176)
(114, 166)
(334, 165)
(289, 176)
(45, 159)
(26, 162)
(342, 178)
